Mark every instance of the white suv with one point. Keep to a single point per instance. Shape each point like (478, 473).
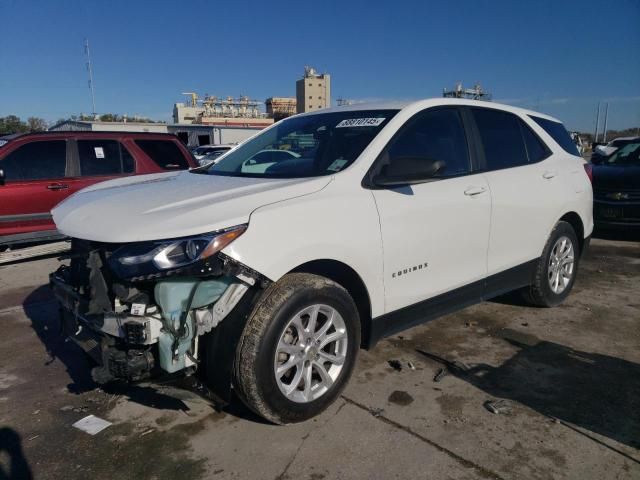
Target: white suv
(267, 277)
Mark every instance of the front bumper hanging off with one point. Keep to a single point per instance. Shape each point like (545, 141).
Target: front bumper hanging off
(132, 341)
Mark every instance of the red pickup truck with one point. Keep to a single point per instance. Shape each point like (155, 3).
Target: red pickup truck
(39, 170)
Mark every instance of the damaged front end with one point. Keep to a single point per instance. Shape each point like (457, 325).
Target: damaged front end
(143, 308)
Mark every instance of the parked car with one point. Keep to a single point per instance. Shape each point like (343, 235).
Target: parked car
(616, 187)
(602, 152)
(270, 280)
(200, 152)
(39, 170)
(213, 155)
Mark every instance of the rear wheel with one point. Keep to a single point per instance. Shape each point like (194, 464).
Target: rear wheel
(298, 348)
(556, 269)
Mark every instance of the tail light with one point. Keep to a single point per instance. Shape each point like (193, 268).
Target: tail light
(588, 168)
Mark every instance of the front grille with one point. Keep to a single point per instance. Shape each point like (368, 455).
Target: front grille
(617, 195)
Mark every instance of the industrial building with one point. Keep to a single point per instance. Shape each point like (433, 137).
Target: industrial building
(280, 107)
(221, 112)
(313, 91)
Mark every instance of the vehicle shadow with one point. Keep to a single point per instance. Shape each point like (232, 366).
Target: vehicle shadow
(40, 307)
(628, 235)
(11, 446)
(596, 392)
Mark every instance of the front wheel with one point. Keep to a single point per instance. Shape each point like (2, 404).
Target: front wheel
(556, 269)
(298, 348)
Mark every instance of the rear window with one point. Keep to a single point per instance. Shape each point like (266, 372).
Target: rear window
(164, 153)
(104, 157)
(557, 131)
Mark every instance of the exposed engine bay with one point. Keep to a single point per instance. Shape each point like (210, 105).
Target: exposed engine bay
(138, 323)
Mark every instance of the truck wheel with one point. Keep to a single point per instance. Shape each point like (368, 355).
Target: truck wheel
(298, 348)
(556, 269)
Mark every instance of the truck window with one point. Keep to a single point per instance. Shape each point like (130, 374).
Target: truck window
(164, 153)
(36, 161)
(104, 157)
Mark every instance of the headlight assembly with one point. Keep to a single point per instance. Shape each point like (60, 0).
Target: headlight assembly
(190, 255)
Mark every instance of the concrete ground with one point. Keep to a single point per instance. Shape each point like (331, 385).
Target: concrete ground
(570, 378)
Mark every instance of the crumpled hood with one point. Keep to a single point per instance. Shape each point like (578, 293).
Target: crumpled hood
(170, 205)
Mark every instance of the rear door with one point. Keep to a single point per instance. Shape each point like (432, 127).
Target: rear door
(36, 180)
(526, 190)
(98, 160)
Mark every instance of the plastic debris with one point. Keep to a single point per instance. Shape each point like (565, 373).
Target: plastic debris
(440, 375)
(411, 365)
(497, 406)
(395, 364)
(91, 424)
(377, 412)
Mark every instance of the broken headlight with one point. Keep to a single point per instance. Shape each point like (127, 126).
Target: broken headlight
(189, 255)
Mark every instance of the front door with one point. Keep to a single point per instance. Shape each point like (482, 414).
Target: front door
(435, 234)
(35, 182)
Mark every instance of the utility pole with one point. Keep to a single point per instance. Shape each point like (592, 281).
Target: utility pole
(595, 135)
(606, 117)
(90, 72)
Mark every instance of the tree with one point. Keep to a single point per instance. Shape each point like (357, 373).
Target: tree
(36, 124)
(12, 124)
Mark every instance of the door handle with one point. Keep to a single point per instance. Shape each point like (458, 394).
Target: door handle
(472, 191)
(548, 175)
(57, 186)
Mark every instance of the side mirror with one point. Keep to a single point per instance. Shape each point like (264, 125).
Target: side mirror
(408, 171)
(2, 177)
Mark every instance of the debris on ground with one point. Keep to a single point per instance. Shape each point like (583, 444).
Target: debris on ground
(91, 424)
(471, 323)
(525, 324)
(151, 430)
(377, 412)
(395, 364)
(497, 406)
(440, 375)
(66, 408)
(411, 365)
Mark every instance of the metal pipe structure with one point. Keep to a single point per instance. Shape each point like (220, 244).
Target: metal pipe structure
(595, 134)
(606, 117)
(90, 70)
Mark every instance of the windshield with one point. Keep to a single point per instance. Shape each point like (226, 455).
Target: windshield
(307, 146)
(627, 155)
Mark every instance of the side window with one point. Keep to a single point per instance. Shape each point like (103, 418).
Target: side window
(436, 135)
(164, 153)
(536, 149)
(104, 157)
(501, 138)
(36, 161)
(557, 131)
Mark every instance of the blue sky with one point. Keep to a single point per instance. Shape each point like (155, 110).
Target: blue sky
(556, 56)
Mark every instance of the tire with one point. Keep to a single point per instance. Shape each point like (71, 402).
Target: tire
(541, 292)
(276, 323)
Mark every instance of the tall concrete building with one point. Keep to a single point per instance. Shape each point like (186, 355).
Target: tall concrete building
(313, 91)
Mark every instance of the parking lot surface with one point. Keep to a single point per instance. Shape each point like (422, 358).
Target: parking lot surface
(418, 406)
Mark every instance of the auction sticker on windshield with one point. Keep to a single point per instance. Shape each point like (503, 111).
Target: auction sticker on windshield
(360, 122)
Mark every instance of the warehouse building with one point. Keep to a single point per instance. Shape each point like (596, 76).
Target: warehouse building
(192, 135)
